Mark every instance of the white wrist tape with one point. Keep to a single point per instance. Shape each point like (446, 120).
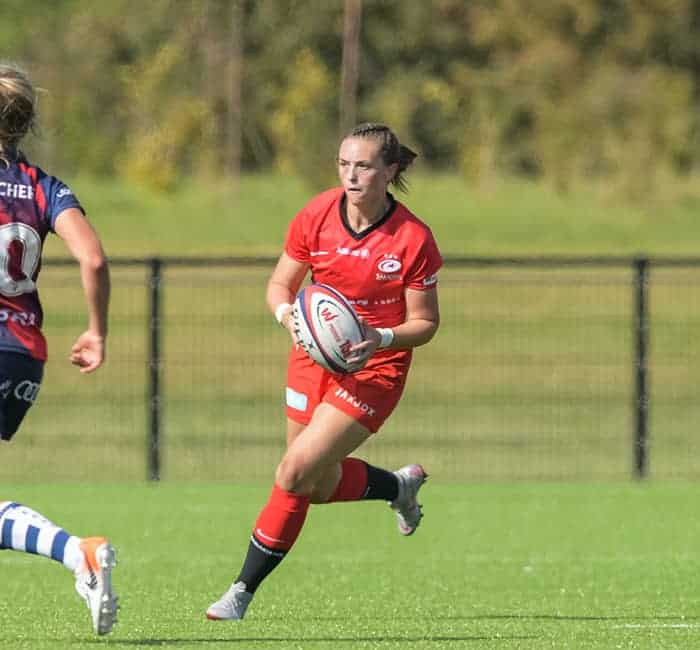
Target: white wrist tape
(281, 310)
(387, 335)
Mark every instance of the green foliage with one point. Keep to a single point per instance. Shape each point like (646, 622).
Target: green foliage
(573, 92)
(169, 135)
(301, 128)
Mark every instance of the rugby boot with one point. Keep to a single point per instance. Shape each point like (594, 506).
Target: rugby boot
(408, 510)
(93, 582)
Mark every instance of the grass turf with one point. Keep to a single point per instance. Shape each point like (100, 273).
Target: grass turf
(500, 566)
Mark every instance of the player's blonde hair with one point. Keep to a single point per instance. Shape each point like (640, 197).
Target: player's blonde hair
(391, 149)
(17, 109)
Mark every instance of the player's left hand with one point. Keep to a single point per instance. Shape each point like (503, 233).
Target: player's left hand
(361, 353)
(88, 352)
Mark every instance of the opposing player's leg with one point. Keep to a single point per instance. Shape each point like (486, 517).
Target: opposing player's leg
(91, 560)
(23, 529)
(328, 438)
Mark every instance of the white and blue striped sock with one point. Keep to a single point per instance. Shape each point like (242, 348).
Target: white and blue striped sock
(23, 529)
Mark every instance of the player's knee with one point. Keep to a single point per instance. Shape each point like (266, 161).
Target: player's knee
(292, 476)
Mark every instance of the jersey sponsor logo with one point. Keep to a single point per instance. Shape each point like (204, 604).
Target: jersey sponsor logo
(389, 266)
(430, 280)
(64, 191)
(354, 401)
(26, 391)
(16, 190)
(387, 301)
(5, 388)
(317, 253)
(362, 253)
(24, 318)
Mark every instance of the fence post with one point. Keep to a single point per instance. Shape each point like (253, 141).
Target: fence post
(154, 397)
(641, 286)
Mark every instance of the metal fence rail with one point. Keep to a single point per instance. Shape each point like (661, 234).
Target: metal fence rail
(544, 368)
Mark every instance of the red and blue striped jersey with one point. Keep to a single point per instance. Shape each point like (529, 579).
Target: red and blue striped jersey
(30, 201)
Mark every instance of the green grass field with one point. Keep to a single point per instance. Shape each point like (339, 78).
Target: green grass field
(504, 566)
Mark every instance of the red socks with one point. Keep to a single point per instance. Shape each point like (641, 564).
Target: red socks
(353, 481)
(281, 520)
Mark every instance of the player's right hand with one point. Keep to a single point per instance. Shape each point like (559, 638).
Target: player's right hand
(88, 351)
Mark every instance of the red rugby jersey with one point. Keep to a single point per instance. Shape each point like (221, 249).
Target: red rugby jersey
(371, 268)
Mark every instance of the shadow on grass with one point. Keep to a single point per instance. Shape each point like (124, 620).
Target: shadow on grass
(565, 617)
(439, 639)
(321, 639)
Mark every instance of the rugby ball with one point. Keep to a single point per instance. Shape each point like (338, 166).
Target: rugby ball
(326, 326)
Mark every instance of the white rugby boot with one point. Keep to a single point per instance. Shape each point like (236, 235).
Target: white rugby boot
(232, 605)
(408, 510)
(93, 582)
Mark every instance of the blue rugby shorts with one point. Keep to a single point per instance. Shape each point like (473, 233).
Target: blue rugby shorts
(20, 380)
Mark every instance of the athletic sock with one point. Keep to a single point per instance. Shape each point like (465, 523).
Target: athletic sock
(275, 532)
(360, 480)
(23, 529)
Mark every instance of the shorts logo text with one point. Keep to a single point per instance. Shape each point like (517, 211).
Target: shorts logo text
(358, 404)
(27, 391)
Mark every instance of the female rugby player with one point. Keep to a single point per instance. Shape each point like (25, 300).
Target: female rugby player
(32, 204)
(360, 240)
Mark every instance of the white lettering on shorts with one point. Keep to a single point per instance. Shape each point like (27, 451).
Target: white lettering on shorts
(295, 400)
(354, 401)
(27, 390)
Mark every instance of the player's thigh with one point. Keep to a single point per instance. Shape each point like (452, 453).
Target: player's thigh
(327, 439)
(293, 430)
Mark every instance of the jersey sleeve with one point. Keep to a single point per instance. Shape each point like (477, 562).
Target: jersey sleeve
(59, 197)
(295, 244)
(422, 274)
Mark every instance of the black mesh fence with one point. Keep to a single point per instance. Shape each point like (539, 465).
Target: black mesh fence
(534, 375)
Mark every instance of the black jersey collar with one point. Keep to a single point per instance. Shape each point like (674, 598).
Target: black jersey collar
(363, 233)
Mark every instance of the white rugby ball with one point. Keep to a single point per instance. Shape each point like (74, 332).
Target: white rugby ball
(327, 326)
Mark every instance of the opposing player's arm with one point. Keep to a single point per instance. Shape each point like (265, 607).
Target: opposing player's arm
(83, 243)
(283, 286)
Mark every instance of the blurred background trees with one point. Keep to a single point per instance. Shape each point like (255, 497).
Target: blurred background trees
(568, 92)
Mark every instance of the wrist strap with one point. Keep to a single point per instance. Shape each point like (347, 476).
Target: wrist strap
(281, 310)
(387, 335)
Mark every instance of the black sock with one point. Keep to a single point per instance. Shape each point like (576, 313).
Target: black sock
(259, 562)
(381, 484)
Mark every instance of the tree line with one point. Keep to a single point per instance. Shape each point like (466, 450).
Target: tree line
(572, 92)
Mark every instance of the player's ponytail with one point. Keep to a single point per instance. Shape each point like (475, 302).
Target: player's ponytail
(17, 109)
(391, 149)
